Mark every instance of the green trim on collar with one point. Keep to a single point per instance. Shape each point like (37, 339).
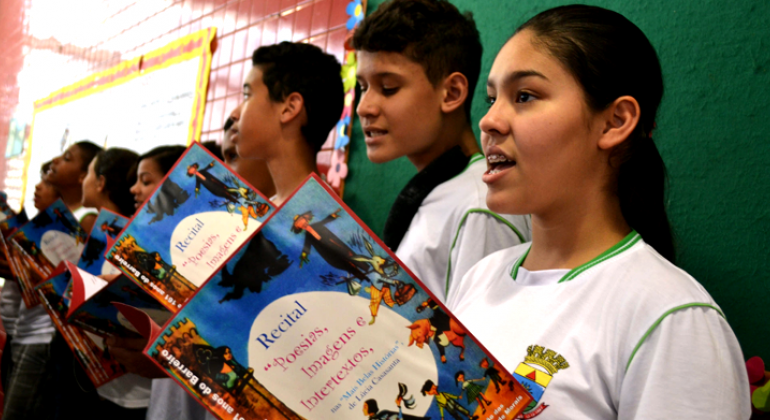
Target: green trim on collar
(626, 243)
(659, 320)
(473, 159)
(517, 264)
(457, 234)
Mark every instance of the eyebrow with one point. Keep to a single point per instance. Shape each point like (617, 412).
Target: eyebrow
(518, 75)
(382, 74)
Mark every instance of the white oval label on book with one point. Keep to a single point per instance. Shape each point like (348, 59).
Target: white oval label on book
(318, 354)
(202, 243)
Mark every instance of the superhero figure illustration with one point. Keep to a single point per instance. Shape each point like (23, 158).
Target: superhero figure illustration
(330, 247)
(111, 229)
(236, 196)
(204, 178)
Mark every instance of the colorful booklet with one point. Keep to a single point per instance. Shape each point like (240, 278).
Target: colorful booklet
(8, 225)
(88, 348)
(21, 272)
(12, 222)
(52, 236)
(315, 318)
(106, 229)
(91, 307)
(199, 215)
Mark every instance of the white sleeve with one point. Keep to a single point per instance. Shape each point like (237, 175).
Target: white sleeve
(689, 367)
(480, 233)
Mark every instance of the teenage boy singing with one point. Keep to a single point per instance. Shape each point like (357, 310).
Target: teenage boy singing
(418, 64)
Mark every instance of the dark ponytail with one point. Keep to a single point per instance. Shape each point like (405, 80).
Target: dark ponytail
(115, 166)
(610, 57)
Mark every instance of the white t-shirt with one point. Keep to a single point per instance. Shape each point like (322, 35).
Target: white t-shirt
(454, 229)
(625, 336)
(10, 298)
(129, 391)
(170, 401)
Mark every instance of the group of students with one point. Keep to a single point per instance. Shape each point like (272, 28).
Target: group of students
(553, 246)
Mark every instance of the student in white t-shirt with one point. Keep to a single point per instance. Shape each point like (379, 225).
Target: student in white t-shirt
(592, 317)
(418, 64)
(30, 384)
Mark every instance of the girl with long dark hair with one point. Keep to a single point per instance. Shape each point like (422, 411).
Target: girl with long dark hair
(592, 316)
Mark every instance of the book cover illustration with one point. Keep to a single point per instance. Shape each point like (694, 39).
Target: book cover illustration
(92, 306)
(21, 272)
(106, 229)
(10, 223)
(88, 348)
(7, 227)
(315, 318)
(52, 236)
(196, 218)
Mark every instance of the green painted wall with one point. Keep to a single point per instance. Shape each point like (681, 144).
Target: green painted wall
(713, 132)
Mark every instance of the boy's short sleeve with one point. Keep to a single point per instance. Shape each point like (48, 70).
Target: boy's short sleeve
(480, 233)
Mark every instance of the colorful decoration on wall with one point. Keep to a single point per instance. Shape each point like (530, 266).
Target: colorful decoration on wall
(356, 11)
(338, 167)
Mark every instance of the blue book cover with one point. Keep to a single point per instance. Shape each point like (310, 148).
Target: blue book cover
(11, 222)
(52, 236)
(198, 216)
(107, 227)
(92, 308)
(315, 318)
(89, 349)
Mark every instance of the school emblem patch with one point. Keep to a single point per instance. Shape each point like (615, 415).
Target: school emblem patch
(535, 373)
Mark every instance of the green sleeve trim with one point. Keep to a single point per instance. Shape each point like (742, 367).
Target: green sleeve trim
(662, 317)
(457, 234)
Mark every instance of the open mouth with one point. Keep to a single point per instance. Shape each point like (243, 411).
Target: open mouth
(497, 163)
(373, 134)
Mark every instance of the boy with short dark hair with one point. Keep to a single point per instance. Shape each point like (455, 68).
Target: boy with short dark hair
(418, 65)
(293, 97)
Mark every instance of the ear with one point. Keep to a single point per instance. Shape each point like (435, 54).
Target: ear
(292, 107)
(621, 119)
(455, 88)
(100, 182)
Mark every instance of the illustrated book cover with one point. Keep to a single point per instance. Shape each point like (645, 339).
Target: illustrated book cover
(198, 216)
(315, 318)
(8, 225)
(106, 229)
(21, 270)
(91, 307)
(52, 236)
(88, 348)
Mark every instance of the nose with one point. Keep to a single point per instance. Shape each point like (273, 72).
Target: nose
(367, 106)
(134, 188)
(494, 123)
(235, 115)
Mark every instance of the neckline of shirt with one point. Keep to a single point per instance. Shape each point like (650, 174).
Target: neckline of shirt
(626, 243)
